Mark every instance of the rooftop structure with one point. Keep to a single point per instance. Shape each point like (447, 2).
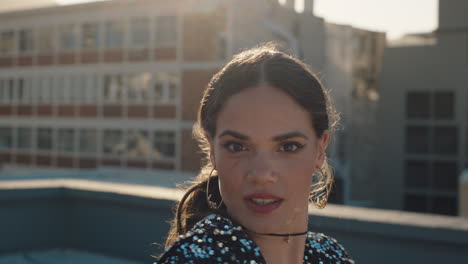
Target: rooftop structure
(423, 118)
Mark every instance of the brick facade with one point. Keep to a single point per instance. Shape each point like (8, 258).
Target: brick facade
(193, 84)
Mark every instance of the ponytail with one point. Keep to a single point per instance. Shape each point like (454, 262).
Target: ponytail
(194, 206)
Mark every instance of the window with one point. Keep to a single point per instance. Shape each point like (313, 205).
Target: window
(416, 173)
(445, 140)
(173, 84)
(66, 140)
(24, 138)
(164, 144)
(166, 30)
(7, 42)
(114, 34)
(113, 88)
(138, 86)
(6, 138)
(45, 40)
(77, 93)
(59, 89)
(90, 91)
(445, 205)
(159, 88)
(416, 202)
(35, 89)
(67, 37)
(55, 87)
(20, 90)
(7, 91)
(418, 105)
(45, 89)
(26, 38)
(445, 175)
(90, 36)
(138, 144)
(27, 90)
(444, 105)
(165, 87)
(417, 139)
(44, 139)
(3, 91)
(139, 32)
(112, 142)
(11, 89)
(88, 140)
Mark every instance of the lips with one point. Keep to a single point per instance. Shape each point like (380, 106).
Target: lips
(263, 203)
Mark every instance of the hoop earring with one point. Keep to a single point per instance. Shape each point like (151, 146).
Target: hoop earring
(319, 198)
(211, 204)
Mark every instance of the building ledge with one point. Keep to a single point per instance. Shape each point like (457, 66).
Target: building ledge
(59, 256)
(345, 218)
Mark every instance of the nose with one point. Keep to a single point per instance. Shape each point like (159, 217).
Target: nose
(261, 169)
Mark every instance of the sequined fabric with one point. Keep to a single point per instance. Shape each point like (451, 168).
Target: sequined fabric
(215, 239)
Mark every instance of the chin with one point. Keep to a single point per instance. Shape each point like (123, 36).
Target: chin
(269, 223)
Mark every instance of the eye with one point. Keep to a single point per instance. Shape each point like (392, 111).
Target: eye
(291, 147)
(234, 146)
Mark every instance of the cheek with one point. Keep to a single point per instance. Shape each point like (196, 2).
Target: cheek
(297, 173)
(301, 172)
(230, 173)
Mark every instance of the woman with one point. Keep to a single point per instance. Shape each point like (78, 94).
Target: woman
(264, 123)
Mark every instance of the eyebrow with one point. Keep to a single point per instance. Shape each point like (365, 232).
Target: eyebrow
(289, 135)
(233, 134)
(275, 138)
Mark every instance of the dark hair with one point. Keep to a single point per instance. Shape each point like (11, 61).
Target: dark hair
(263, 64)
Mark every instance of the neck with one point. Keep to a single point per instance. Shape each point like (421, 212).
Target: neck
(276, 250)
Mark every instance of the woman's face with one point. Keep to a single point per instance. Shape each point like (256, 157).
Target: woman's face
(265, 151)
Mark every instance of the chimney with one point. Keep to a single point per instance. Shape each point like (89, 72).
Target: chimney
(290, 4)
(308, 6)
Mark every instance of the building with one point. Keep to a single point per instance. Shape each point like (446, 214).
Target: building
(117, 83)
(463, 194)
(423, 117)
(352, 69)
(9, 5)
(112, 83)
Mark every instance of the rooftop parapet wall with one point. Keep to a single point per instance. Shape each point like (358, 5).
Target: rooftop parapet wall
(122, 220)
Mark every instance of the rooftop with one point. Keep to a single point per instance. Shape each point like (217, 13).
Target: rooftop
(112, 216)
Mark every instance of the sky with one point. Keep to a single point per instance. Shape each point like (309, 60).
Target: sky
(396, 17)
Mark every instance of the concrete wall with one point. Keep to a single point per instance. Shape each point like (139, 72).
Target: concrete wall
(453, 14)
(108, 223)
(124, 220)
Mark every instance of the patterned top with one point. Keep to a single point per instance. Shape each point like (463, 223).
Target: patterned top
(215, 239)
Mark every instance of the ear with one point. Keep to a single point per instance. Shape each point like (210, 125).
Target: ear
(322, 146)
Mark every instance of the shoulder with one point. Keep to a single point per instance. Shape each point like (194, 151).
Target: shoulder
(324, 249)
(213, 239)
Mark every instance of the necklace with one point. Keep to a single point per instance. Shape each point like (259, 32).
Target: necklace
(286, 236)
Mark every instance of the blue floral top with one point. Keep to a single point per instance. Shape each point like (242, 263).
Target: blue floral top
(215, 239)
